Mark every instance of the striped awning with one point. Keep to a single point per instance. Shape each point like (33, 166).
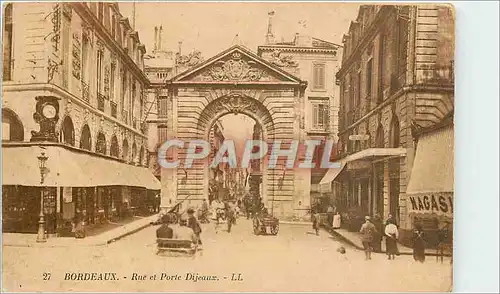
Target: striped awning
(70, 168)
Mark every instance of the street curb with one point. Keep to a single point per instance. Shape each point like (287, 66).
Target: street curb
(337, 234)
(90, 244)
(296, 223)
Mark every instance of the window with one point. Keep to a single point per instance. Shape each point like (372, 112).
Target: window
(85, 138)
(100, 57)
(132, 98)
(66, 35)
(124, 89)
(320, 116)
(7, 43)
(125, 150)
(352, 91)
(112, 82)
(85, 57)
(358, 89)
(381, 73)
(113, 26)
(12, 128)
(113, 150)
(403, 20)
(319, 76)
(68, 132)
(369, 69)
(100, 11)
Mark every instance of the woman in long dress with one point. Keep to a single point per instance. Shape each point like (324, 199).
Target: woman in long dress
(336, 221)
(418, 244)
(391, 237)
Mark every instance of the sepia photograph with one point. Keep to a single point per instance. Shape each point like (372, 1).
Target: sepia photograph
(236, 147)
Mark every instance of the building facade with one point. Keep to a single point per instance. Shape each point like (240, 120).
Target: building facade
(315, 61)
(73, 88)
(396, 78)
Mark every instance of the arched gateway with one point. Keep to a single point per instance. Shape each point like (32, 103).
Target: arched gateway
(234, 81)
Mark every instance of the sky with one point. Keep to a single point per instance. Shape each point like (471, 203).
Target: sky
(211, 27)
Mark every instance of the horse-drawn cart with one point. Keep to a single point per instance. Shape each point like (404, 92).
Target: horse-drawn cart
(265, 225)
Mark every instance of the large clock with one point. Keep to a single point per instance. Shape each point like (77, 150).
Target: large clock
(49, 111)
(46, 115)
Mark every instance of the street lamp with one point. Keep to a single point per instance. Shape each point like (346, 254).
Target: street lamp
(42, 159)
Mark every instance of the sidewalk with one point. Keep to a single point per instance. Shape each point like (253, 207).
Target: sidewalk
(354, 239)
(29, 240)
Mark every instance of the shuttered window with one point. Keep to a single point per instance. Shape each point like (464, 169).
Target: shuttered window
(320, 116)
(319, 76)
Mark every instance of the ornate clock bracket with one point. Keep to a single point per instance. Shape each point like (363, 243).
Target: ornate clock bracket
(46, 115)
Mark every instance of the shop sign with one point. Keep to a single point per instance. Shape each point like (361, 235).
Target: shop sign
(359, 137)
(438, 203)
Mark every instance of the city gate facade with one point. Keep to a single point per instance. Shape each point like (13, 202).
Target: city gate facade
(236, 81)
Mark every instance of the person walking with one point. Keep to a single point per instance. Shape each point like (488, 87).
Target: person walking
(418, 244)
(230, 217)
(367, 231)
(391, 237)
(194, 224)
(379, 235)
(330, 213)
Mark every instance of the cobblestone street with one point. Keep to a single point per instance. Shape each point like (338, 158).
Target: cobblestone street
(295, 260)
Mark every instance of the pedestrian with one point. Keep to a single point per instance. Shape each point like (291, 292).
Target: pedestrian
(330, 213)
(157, 203)
(165, 232)
(391, 237)
(337, 219)
(378, 236)
(367, 232)
(230, 217)
(316, 221)
(194, 224)
(418, 243)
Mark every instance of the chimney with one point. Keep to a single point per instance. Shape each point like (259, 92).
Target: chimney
(180, 47)
(270, 34)
(156, 39)
(159, 38)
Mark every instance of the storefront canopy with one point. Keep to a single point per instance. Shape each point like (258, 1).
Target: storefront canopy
(70, 168)
(372, 154)
(433, 166)
(331, 174)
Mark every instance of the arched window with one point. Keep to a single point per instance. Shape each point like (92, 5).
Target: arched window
(12, 127)
(113, 150)
(141, 156)
(7, 43)
(67, 135)
(86, 138)
(394, 134)
(134, 153)
(100, 146)
(125, 150)
(379, 138)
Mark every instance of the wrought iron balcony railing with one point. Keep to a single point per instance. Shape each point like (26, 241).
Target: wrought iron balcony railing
(113, 109)
(100, 102)
(85, 92)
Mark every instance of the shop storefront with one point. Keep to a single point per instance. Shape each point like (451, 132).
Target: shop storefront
(77, 186)
(429, 196)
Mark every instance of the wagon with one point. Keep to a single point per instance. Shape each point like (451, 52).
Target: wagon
(265, 225)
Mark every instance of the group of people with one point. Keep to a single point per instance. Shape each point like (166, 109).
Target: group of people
(371, 237)
(187, 228)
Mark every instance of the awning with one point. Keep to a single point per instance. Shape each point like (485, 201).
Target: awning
(331, 174)
(432, 170)
(372, 154)
(70, 168)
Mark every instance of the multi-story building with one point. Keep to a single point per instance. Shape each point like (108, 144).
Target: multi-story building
(74, 90)
(315, 61)
(396, 78)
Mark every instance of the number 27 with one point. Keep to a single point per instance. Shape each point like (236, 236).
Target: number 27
(46, 276)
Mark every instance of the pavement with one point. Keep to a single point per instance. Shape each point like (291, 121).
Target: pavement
(353, 238)
(296, 260)
(29, 240)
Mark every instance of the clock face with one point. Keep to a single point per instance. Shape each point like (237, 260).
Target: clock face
(49, 111)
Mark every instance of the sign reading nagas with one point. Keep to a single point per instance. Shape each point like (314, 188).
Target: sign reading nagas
(435, 203)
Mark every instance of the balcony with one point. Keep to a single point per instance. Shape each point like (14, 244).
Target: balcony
(85, 92)
(113, 109)
(125, 116)
(100, 102)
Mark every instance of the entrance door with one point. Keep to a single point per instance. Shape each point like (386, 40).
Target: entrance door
(379, 189)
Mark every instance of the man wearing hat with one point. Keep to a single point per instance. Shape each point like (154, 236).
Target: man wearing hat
(165, 232)
(183, 232)
(194, 224)
(367, 231)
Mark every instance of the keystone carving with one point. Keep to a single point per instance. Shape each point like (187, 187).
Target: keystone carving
(234, 69)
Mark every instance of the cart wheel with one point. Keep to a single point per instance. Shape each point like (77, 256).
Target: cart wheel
(275, 229)
(256, 229)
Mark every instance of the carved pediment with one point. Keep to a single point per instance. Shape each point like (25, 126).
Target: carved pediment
(235, 65)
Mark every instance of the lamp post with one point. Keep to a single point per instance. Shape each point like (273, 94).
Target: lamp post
(42, 159)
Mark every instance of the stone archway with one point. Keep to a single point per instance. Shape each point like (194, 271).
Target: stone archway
(235, 103)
